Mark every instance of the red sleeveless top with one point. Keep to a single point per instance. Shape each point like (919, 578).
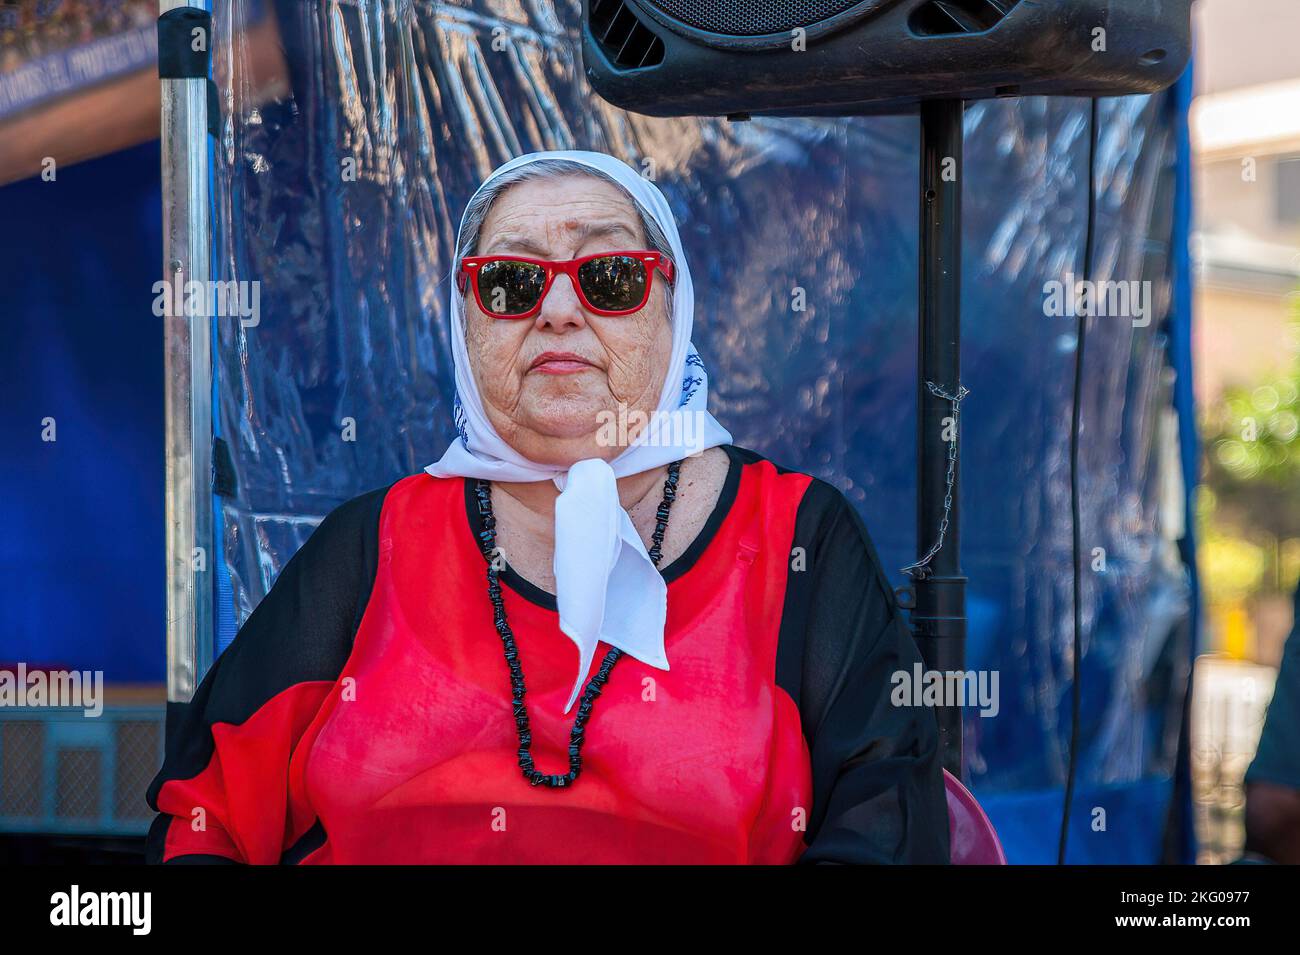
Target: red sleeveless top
(363, 713)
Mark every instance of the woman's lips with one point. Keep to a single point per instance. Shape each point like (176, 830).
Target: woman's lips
(559, 363)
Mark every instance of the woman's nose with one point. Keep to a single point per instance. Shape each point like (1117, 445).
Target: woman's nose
(561, 308)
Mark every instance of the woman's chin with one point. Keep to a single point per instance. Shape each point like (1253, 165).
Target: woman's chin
(561, 440)
(565, 416)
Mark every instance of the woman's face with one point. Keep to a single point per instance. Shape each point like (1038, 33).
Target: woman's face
(545, 381)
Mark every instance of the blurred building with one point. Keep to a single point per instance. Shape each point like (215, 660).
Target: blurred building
(1245, 127)
(1246, 136)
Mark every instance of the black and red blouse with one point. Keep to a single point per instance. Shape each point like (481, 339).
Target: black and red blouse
(362, 714)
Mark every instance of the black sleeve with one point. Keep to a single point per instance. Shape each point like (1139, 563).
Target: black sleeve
(301, 633)
(878, 791)
(1277, 758)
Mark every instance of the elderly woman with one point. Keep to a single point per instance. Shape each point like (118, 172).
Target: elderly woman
(594, 631)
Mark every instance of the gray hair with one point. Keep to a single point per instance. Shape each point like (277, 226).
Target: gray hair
(476, 212)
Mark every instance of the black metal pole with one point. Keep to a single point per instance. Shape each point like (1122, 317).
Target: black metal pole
(939, 617)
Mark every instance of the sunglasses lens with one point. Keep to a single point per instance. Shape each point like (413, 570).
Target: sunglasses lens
(510, 288)
(614, 283)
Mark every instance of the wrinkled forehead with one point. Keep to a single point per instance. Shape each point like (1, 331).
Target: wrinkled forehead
(539, 215)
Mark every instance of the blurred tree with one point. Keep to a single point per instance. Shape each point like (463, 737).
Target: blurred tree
(1252, 440)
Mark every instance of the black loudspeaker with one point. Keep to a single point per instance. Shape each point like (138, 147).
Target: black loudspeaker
(855, 57)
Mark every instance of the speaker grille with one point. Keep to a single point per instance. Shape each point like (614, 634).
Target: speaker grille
(957, 17)
(752, 17)
(627, 42)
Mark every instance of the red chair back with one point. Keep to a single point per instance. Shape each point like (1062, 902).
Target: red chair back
(972, 837)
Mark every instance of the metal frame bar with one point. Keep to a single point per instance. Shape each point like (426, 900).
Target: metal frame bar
(939, 614)
(188, 383)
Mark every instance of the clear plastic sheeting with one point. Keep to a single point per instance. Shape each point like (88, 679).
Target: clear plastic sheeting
(341, 175)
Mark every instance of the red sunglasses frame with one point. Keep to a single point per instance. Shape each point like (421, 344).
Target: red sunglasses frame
(654, 260)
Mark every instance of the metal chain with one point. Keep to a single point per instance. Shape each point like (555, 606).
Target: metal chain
(921, 569)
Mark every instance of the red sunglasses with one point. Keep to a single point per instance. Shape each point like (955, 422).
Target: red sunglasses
(607, 283)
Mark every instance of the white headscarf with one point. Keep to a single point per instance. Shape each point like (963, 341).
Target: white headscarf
(607, 588)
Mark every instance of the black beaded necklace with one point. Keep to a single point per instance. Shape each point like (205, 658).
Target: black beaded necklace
(487, 541)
